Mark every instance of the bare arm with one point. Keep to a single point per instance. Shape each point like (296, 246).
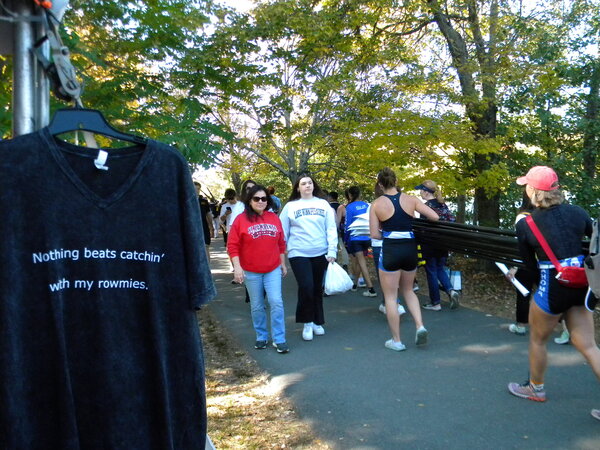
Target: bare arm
(425, 210)
(341, 212)
(374, 225)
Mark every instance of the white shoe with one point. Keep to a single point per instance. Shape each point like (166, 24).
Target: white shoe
(361, 283)
(396, 346)
(421, 337)
(563, 338)
(318, 330)
(401, 309)
(307, 332)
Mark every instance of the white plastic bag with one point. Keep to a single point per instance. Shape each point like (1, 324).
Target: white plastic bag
(337, 280)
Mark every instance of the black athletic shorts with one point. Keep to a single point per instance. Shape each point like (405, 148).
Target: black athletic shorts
(398, 254)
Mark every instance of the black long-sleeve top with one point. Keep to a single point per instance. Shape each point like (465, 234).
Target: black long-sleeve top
(563, 226)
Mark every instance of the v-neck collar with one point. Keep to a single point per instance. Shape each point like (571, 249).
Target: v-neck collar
(57, 147)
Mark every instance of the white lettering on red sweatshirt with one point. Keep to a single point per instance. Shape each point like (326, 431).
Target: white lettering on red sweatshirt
(259, 244)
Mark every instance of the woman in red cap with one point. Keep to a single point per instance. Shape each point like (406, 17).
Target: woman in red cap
(563, 226)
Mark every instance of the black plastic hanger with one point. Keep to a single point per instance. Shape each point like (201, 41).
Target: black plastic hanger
(92, 120)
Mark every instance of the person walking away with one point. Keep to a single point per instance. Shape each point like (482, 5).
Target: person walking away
(563, 227)
(340, 218)
(436, 258)
(357, 246)
(525, 276)
(390, 219)
(311, 236)
(376, 246)
(342, 254)
(257, 250)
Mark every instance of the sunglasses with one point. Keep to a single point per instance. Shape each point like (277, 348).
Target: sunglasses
(259, 199)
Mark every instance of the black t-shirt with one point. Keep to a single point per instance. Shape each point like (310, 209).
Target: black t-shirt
(101, 274)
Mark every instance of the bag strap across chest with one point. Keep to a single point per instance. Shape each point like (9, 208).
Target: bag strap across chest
(540, 237)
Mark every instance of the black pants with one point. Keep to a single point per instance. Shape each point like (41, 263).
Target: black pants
(527, 279)
(309, 273)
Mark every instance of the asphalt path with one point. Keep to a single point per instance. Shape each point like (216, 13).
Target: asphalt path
(356, 394)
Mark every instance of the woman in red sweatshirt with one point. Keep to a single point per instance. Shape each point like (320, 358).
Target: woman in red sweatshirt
(256, 247)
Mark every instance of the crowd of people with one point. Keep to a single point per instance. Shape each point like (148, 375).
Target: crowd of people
(313, 229)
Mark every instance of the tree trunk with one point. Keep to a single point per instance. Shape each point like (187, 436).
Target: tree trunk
(591, 131)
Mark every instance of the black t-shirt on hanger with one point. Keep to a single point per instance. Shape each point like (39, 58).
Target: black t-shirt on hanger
(101, 274)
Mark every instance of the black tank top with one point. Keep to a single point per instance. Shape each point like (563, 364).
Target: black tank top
(400, 221)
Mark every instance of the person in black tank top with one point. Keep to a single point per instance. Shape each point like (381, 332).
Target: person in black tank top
(391, 220)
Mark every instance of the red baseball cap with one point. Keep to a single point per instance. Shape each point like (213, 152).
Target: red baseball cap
(543, 178)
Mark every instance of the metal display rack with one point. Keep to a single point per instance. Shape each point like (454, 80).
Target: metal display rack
(24, 23)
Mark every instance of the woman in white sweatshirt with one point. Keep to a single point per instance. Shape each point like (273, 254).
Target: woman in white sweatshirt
(311, 236)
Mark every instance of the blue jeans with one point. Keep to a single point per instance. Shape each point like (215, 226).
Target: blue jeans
(257, 284)
(436, 275)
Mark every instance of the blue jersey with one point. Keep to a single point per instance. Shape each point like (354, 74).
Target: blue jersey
(352, 210)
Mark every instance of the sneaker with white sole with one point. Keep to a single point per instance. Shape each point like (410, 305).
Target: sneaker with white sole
(453, 299)
(415, 287)
(260, 345)
(282, 347)
(432, 307)
(563, 338)
(396, 346)
(527, 391)
(307, 332)
(353, 288)
(318, 330)
(370, 293)
(401, 309)
(595, 414)
(421, 336)
(361, 283)
(517, 329)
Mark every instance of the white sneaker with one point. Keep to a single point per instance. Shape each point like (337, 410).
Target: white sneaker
(370, 293)
(563, 338)
(307, 332)
(382, 308)
(396, 346)
(318, 330)
(361, 283)
(401, 309)
(421, 337)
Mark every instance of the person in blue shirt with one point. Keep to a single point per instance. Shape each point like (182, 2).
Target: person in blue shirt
(357, 245)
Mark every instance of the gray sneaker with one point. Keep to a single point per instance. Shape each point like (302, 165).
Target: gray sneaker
(421, 336)
(525, 390)
(453, 299)
(396, 346)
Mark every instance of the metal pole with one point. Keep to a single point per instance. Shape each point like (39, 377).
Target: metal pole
(23, 70)
(42, 84)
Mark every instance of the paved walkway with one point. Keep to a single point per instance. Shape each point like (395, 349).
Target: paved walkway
(357, 394)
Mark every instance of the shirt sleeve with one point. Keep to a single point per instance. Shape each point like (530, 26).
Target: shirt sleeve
(527, 251)
(285, 222)
(233, 239)
(281, 241)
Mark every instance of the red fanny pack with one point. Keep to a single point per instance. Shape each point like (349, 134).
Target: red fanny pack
(573, 277)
